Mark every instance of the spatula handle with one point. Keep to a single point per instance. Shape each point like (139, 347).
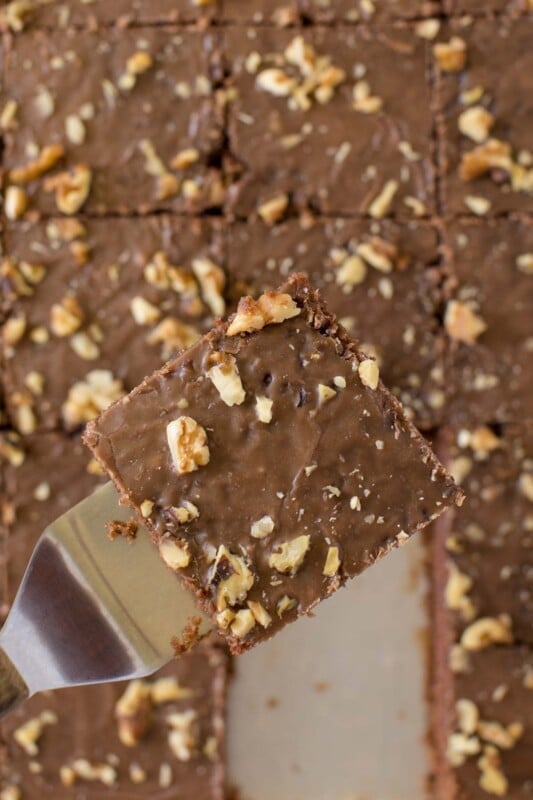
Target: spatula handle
(12, 687)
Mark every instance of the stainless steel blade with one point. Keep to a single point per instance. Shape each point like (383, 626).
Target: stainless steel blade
(90, 610)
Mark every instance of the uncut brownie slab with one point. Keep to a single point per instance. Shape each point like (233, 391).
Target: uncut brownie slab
(380, 279)
(335, 118)
(86, 745)
(64, 13)
(488, 320)
(97, 305)
(270, 464)
(152, 87)
(485, 114)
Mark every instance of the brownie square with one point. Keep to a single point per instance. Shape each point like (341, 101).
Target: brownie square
(333, 118)
(364, 11)
(488, 320)
(96, 305)
(115, 121)
(485, 115)
(270, 464)
(161, 737)
(489, 544)
(483, 712)
(381, 279)
(59, 14)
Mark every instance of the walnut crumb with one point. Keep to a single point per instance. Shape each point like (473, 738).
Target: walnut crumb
(369, 373)
(133, 713)
(263, 409)
(451, 56)
(71, 188)
(462, 323)
(226, 379)
(262, 527)
(260, 613)
(290, 555)
(271, 211)
(187, 442)
(232, 577)
(487, 631)
(269, 308)
(175, 553)
(332, 563)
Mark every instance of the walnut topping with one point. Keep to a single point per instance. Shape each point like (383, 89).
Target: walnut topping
(11, 792)
(45, 161)
(10, 450)
(462, 323)
(263, 408)
(84, 346)
(75, 129)
(212, 281)
(285, 604)
(526, 485)
(71, 188)
(243, 623)
(226, 379)
(476, 123)
(487, 631)
(456, 592)
(88, 398)
(185, 158)
(29, 733)
(369, 373)
(82, 768)
(168, 690)
(270, 308)
(333, 562)
(482, 441)
(467, 716)
(187, 442)
(15, 202)
(477, 205)
(232, 577)
(382, 203)
(351, 272)
(451, 56)
(13, 330)
(271, 211)
(493, 154)
(492, 779)
(524, 263)
(173, 335)
(183, 737)
(8, 115)
(66, 317)
(137, 773)
(133, 713)
(175, 553)
(260, 613)
(427, 28)
(460, 746)
(317, 79)
(364, 100)
(290, 555)
(143, 312)
(503, 737)
(325, 393)
(186, 512)
(146, 508)
(378, 254)
(262, 527)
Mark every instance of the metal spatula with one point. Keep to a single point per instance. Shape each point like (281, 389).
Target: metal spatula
(90, 610)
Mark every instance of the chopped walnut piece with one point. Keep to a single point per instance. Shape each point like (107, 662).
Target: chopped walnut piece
(270, 308)
(492, 779)
(186, 512)
(168, 690)
(71, 188)
(271, 211)
(173, 335)
(183, 737)
(185, 158)
(226, 379)
(467, 716)
(487, 631)
(351, 272)
(104, 773)
(460, 746)
(382, 203)
(260, 613)
(232, 578)
(133, 713)
(11, 792)
(16, 202)
(290, 555)
(66, 317)
(524, 262)
(285, 604)
(493, 154)
(262, 527)
(378, 254)
(476, 123)
(88, 398)
(456, 593)
(369, 373)
(332, 563)
(325, 393)
(28, 734)
(14, 329)
(477, 205)
(175, 553)
(187, 442)
(495, 733)
(143, 312)
(364, 100)
(526, 485)
(212, 281)
(276, 82)
(263, 408)
(462, 323)
(84, 346)
(45, 161)
(243, 623)
(451, 56)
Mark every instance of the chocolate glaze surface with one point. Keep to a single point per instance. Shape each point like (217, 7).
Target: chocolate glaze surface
(152, 88)
(340, 152)
(338, 466)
